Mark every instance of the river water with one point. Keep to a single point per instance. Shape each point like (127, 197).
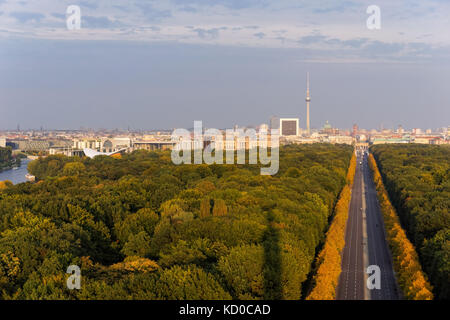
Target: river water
(18, 175)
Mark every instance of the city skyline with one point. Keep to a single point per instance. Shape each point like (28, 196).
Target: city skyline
(380, 128)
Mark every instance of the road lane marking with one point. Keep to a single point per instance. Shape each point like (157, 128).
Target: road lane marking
(356, 246)
(365, 240)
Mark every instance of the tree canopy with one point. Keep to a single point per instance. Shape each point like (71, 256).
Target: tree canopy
(417, 179)
(140, 227)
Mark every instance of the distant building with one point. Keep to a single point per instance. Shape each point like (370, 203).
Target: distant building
(328, 129)
(263, 127)
(339, 139)
(69, 152)
(384, 140)
(355, 130)
(121, 143)
(274, 122)
(87, 143)
(31, 145)
(2, 142)
(153, 145)
(428, 140)
(102, 144)
(289, 126)
(114, 144)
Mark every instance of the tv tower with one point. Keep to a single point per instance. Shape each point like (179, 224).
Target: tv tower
(308, 99)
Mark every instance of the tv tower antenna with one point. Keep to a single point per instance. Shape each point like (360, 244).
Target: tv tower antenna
(308, 99)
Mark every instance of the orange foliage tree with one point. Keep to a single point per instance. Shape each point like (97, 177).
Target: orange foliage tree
(5, 184)
(411, 279)
(329, 259)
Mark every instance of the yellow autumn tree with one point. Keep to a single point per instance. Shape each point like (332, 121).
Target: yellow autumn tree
(205, 208)
(329, 259)
(410, 277)
(5, 184)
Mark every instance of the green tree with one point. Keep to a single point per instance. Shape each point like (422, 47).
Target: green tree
(190, 283)
(73, 169)
(137, 245)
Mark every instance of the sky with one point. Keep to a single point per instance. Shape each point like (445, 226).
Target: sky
(163, 64)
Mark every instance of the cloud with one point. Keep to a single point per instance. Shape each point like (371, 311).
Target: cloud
(152, 28)
(334, 27)
(231, 4)
(89, 4)
(315, 38)
(121, 8)
(355, 43)
(379, 48)
(318, 38)
(58, 15)
(207, 33)
(324, 48)
(153, 14)
(340, 7)
(189, 9)
(99, 22)
(259, 35)
(24, 17)
(352, 43)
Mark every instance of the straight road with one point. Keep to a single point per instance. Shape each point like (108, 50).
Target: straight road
(351, 281)
(365, 243)
(378, 249)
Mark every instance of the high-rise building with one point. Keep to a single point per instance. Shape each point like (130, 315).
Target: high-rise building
(355, 130)
(274, 122)
(289, 126)
(308, 99)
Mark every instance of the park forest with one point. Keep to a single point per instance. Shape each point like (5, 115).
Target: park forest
(417, 179)
(140, 227)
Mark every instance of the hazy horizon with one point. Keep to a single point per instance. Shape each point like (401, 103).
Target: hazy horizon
(165, 64)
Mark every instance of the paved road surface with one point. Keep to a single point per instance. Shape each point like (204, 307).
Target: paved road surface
(365, 243)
